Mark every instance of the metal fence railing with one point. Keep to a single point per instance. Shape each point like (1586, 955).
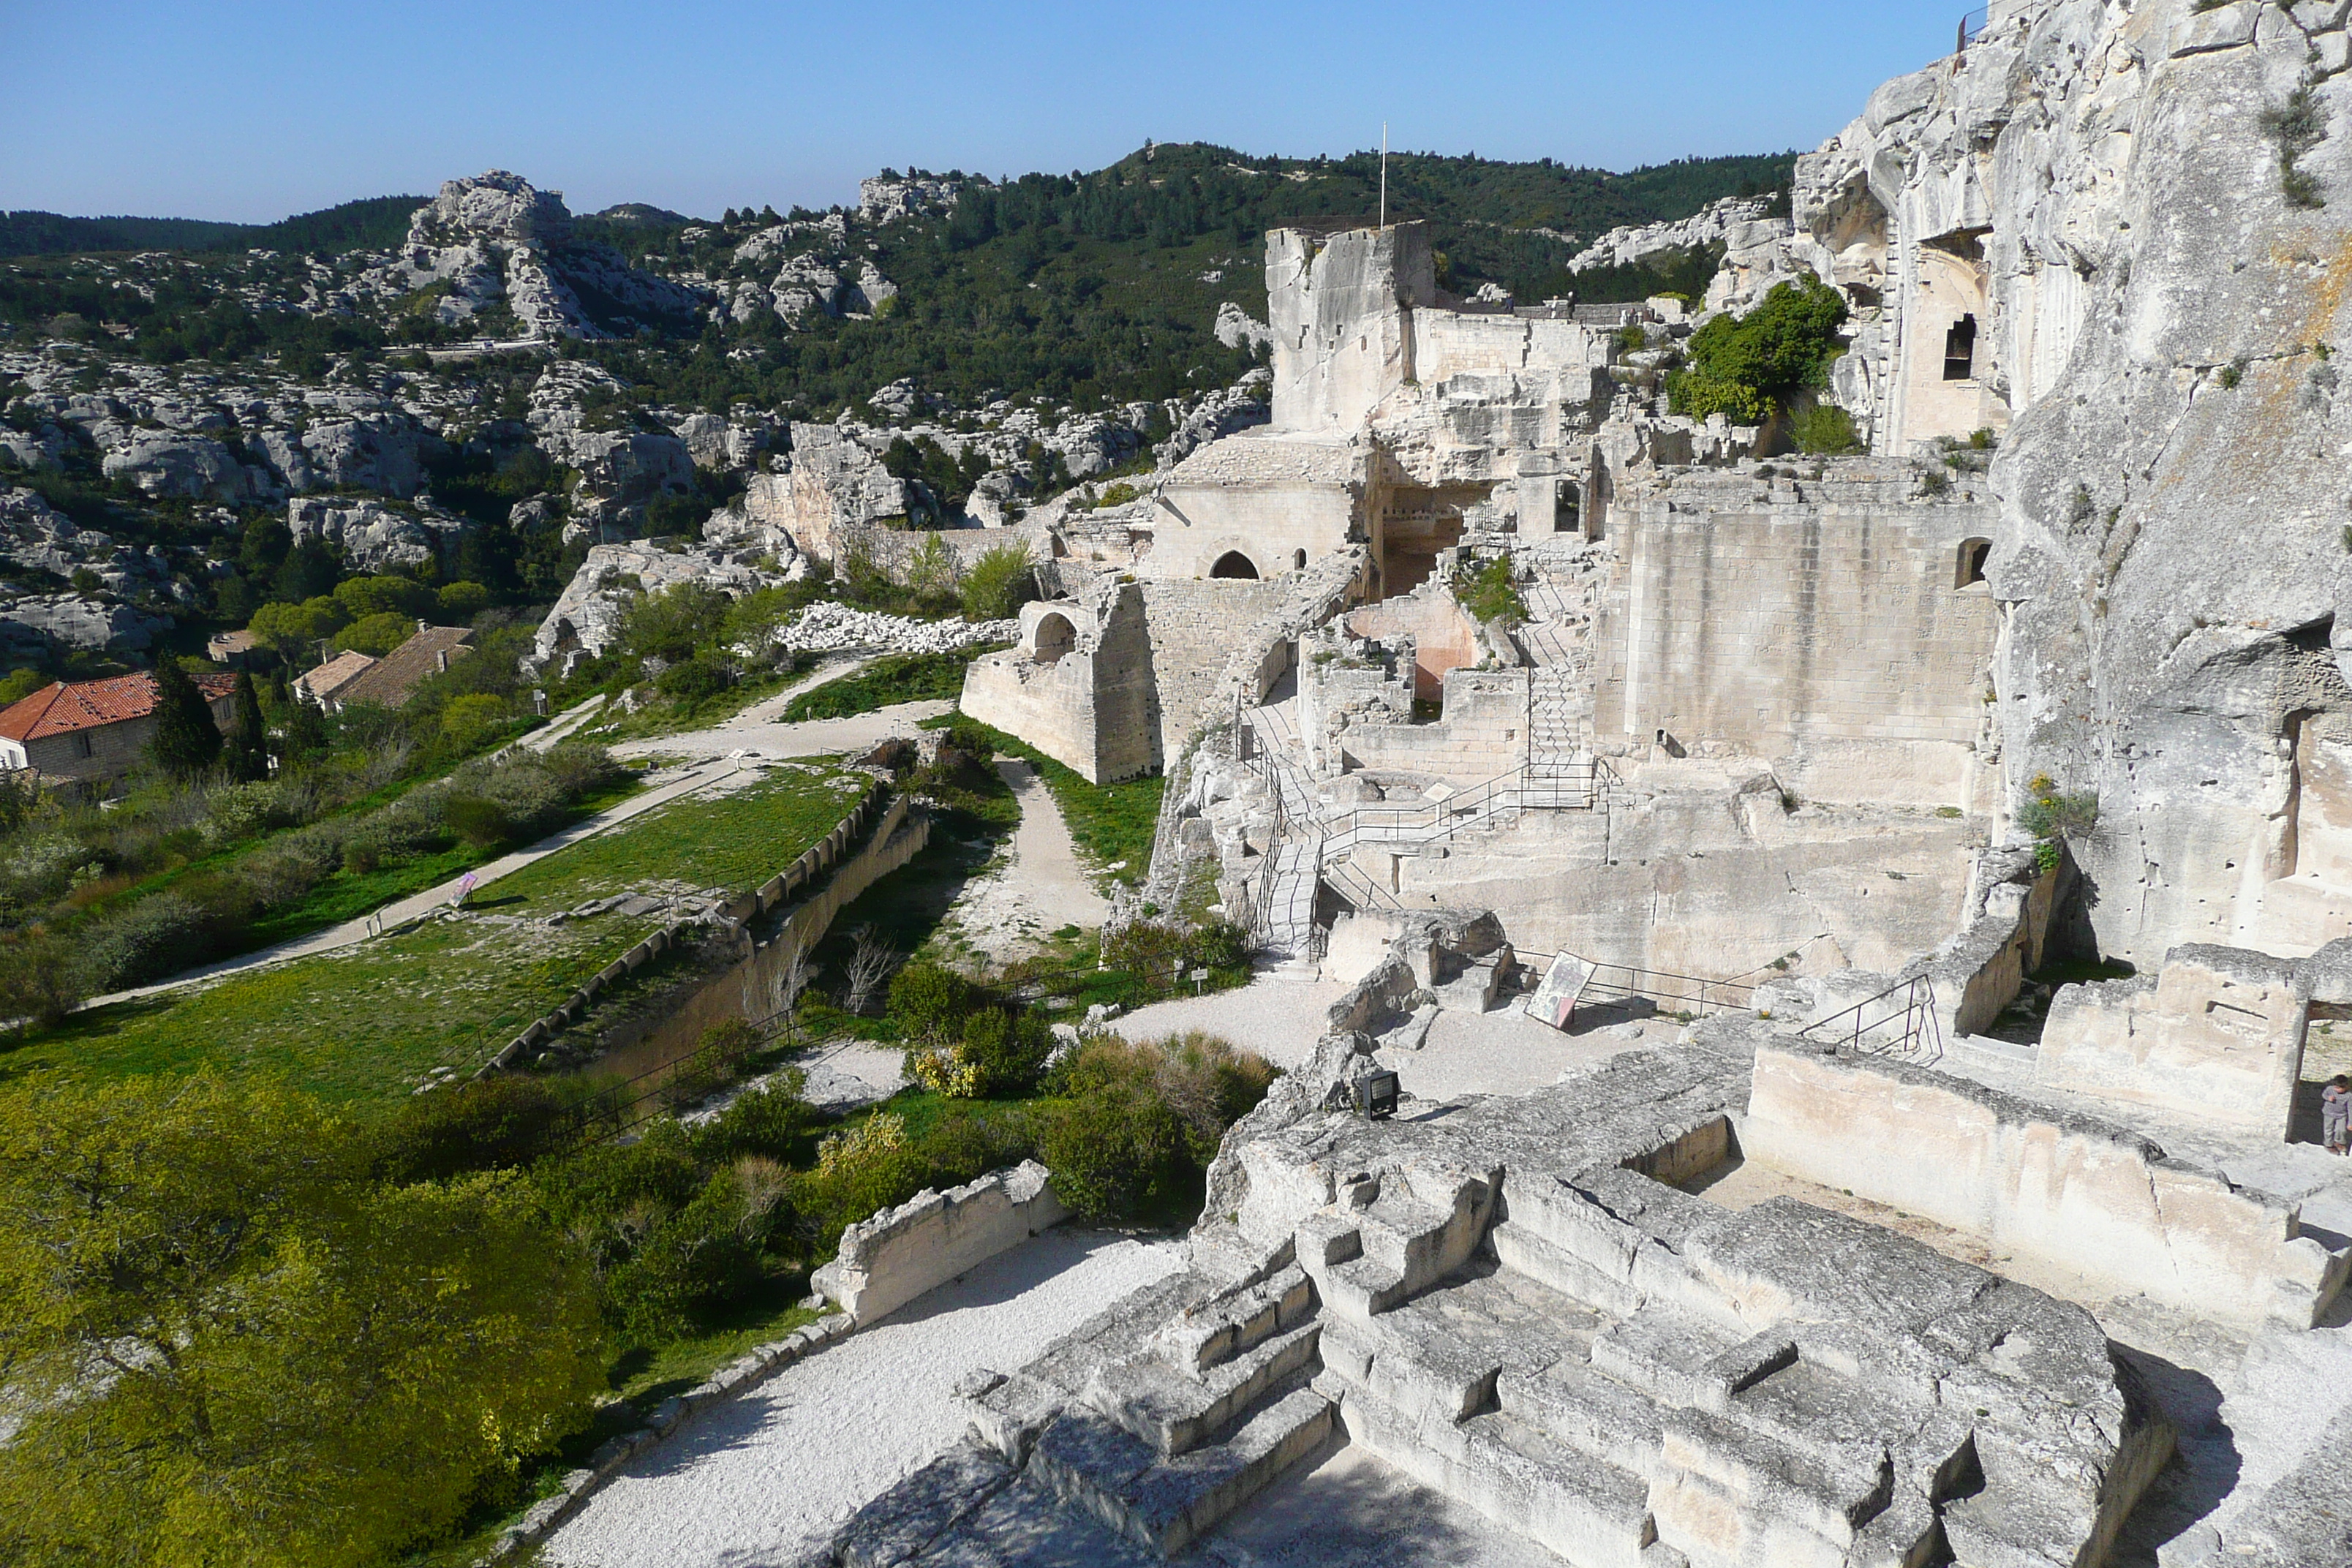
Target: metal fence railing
(1899, 1021)
(1629, 987)
(1973, 25)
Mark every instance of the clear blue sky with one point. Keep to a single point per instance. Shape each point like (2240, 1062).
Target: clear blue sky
(253, 110)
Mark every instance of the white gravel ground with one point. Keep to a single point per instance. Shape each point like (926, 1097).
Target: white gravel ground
(1278, 1017)
(752, 1483)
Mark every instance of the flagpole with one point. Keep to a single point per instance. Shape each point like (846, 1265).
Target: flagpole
(1384, 174)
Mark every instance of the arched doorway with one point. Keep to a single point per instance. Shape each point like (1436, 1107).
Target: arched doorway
(1233, 563)
(1298, 561)
(1054, 636)
(1968, 572)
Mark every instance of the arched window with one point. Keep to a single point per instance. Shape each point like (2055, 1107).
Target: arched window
(1970, 570)
(1233, 563)
(1960, 350)
(1298, 561)
(1054, 636)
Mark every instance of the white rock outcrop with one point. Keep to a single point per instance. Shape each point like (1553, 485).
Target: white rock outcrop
(373, 535)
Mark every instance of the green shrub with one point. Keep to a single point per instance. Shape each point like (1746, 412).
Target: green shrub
(998, 584)
(697, 678)
(771, 1119)
(40, 977)
(1824, 430)
(1006, 1050)
(502, 1123)
(1741, 366)
(2054, 816)
(1116, 493)
(472, 722)
(1115, 1154)
(673, 623)
(479, 824)
(702, 1257)
(1142, 1123)
(165, 932)
(1490, 594)
(930, 1001)
(1222, 945)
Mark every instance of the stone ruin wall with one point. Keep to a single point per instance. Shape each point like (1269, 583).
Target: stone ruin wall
(2083, 1195)
(1832, 639)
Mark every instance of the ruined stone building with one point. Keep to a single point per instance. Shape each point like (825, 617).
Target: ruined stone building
(1898, 1255)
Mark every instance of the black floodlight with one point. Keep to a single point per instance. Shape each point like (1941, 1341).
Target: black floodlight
(1376, 1096)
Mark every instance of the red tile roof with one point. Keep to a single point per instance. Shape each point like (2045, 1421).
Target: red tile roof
(61, 708)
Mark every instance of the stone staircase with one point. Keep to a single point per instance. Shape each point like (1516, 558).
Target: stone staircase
(1160, 1418)
(1559, 725)
(1583, 1383)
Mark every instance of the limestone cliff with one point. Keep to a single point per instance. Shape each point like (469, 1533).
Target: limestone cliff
(2125, 233)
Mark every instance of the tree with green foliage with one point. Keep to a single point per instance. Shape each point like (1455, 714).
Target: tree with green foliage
(226, 1343)
(1745, 367)
(998, 583)
(186, 741)
(672, 623)
(461, 601)
(292, 632)
(364, 596)
(245, 751)
(1823, 429)
(376, 635)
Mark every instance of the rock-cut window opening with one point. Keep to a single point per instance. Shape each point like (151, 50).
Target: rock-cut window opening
(1960, 350)
(1233, 563)
(1969, 572)
(1056, 637)
(1298, 561)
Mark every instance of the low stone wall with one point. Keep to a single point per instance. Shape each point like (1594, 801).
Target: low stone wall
(750, 989)
(814, 862)
(898, 1254)
(2074, 1192)
(2218, 1033)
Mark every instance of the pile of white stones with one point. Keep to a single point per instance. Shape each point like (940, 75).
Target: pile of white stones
(830, 627)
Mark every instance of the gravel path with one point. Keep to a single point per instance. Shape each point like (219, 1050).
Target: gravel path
(752, 1483)
(1040, 887)
(1278, 1017)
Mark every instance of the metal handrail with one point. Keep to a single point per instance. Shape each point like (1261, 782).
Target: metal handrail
(1973, 25)
(1921, 1036)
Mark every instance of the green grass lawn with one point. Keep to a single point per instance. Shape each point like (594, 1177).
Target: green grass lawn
(373, 1019)
(888, 680)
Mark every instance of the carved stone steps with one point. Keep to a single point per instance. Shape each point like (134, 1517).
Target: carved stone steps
(1096, 1465)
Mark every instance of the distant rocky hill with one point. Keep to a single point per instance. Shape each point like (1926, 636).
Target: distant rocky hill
(197, 418)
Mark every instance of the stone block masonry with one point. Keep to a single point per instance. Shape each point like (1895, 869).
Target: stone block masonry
(888, 1260)
(2080, 1193)
(1839, 637)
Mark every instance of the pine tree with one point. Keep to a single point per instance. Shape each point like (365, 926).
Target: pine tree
(187, 739)
(246, 750)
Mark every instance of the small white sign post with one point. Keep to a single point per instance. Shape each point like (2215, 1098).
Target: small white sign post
(1554, 1001)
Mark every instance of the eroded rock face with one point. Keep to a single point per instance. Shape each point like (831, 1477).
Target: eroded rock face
(374, 537)
(496, 239)
(586, 619)
(2078, 228)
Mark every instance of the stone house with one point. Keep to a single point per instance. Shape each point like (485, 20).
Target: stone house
(391, 681)
(318, 686)
(93, 731)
